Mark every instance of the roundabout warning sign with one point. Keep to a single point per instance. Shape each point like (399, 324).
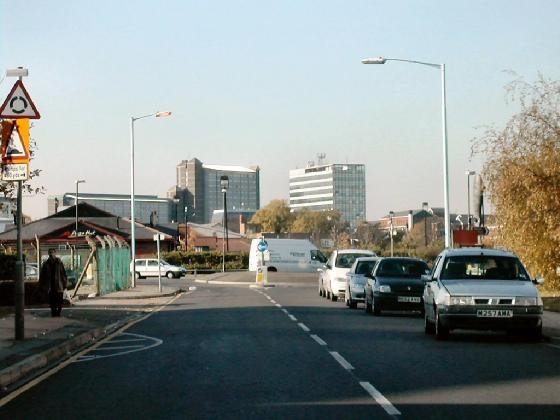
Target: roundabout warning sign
(18, 104)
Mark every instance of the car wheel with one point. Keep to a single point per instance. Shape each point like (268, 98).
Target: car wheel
(535, 334)
(333, 297)
(320, 291)
(429, 327)
(347, 300)
(441, 332)
(328, 295)
(352, 303)
(169, 275)
(367, 306)
(376, 308)
(137, 275)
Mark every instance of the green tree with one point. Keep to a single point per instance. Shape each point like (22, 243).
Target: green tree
(274, 217)
(522, 175)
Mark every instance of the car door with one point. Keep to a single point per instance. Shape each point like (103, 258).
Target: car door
(431, 288)
(140, 267)
(152, 268)
(370, 283)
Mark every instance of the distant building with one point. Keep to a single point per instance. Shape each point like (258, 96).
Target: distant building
(198, 190)
(148, 209)
(339, 187)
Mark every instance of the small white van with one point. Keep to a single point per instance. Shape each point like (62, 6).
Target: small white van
(287, 255)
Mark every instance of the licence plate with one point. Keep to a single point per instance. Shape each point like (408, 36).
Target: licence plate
(494, 313)
(412, 299)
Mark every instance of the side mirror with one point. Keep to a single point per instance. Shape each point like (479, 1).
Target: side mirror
(538, 280)
(368, 275)
(328, 266)
(426, 278)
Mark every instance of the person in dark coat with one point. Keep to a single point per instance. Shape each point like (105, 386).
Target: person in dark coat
(52, 279)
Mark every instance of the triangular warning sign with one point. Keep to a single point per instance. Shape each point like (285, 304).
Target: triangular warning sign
(15, 141)
(18, 104)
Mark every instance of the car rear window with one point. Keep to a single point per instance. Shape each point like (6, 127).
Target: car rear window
(402, 268)
(346, 260)
(480, 267)
(365, 267)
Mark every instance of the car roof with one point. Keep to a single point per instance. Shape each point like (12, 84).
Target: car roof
(372, 258)
(355, 251)
(403, 259)
(478, 251)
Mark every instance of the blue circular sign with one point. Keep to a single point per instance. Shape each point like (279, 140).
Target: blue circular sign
(262, 246)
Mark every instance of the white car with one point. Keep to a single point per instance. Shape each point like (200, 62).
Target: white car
(332, 280)
(149, 267)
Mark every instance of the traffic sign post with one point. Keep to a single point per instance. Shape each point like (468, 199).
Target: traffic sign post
(157, 238)
(15, 159)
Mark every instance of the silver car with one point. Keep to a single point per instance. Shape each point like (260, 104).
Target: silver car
(356, 280)
(483, 289)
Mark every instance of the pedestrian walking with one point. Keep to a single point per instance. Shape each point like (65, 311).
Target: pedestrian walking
(52, 279)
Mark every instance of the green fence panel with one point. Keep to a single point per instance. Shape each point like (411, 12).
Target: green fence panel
(113, 269)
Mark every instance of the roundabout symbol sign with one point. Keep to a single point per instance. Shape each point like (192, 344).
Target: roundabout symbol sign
(262, 246)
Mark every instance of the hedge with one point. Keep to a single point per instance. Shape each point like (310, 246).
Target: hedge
(211, 261)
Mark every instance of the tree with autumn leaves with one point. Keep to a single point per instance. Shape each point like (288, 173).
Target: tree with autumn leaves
(522, 176)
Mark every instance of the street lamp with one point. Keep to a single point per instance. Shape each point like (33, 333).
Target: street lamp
(186, 229)
(160, 114)
(383, 60)
(224, 183)
(78, 182)
(468, 174)
(391, 214)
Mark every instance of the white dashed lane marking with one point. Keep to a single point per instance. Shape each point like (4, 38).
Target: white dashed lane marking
(318, 339)
(293, 318)
(304, 327)
(380, 399)
(341, 360)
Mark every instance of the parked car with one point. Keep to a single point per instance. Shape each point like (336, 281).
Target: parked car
(483, 289)
(332, 278)
(395, 284)
(31, 271)
(356, 280)
(149, 267)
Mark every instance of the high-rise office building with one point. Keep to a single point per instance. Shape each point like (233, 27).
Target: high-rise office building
(199, 190)
(339, 187)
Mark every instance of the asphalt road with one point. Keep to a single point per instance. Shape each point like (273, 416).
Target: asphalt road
(224, 351)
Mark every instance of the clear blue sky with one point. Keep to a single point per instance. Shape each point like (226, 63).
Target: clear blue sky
(272, 84)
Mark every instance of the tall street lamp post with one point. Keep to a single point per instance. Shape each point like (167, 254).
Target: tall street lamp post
(469, 174)
(383, 60)
(78, 182)
(391, 214)
(159, 114)
(224, 183)
(186, 229)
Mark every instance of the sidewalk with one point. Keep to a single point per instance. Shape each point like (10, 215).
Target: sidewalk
(50, 340)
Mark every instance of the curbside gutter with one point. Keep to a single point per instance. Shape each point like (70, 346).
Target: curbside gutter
(33, 366)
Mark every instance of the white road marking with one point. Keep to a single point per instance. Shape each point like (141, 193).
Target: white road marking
(125, 349)
(554, 345)
(285, 311)
(341, 360)
(293, 318)
(318, 340)
(74, 358)
(272, 301)
(278, 305)
(304, 327)
(380, 399)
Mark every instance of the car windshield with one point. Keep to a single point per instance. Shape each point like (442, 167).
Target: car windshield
(346, 260)
(364, 267)
(402, 268)
(479, 267)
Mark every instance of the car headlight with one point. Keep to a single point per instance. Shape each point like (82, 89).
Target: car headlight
(461, 300)
(443, 298)
(527, 301)
(384, 288)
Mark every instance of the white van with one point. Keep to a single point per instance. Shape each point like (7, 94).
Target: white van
(288, 255)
